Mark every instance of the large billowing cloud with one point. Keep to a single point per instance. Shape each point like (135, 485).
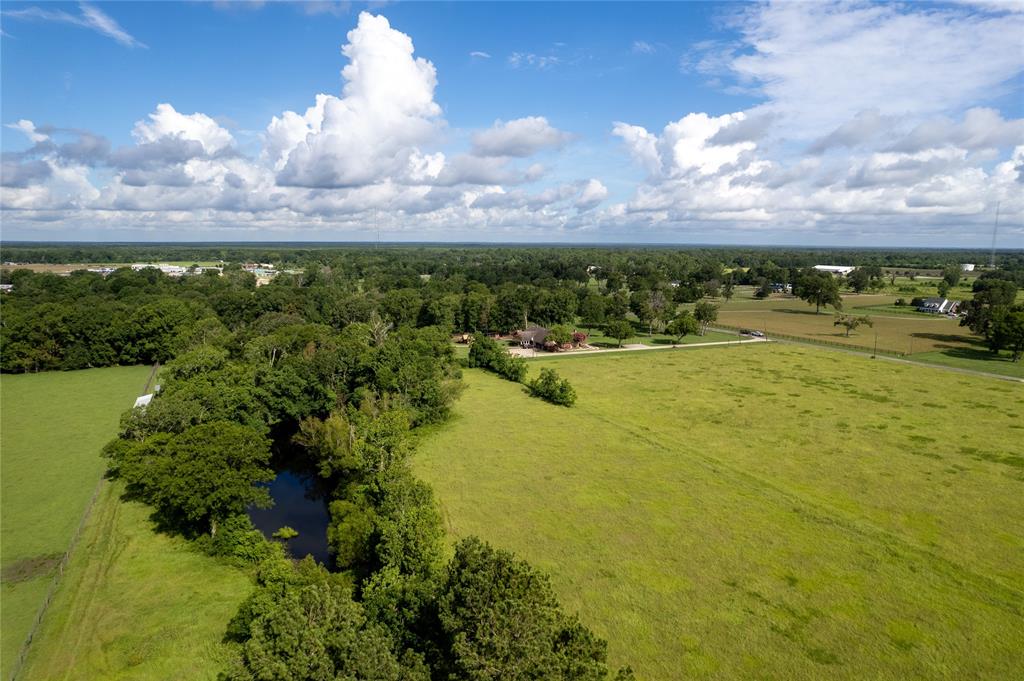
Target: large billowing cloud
(373, 130)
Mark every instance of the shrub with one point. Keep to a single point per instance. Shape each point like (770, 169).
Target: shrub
(548, 386)
(487, 353)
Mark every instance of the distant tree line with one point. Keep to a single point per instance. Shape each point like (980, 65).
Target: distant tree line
(129, 317)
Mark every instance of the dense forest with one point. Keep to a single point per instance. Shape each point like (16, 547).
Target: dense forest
(128, 317)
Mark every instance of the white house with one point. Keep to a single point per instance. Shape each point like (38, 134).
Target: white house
(967, 267)
(835, 270)
(939, 305)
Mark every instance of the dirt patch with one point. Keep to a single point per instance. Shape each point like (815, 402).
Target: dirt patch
(30, 568)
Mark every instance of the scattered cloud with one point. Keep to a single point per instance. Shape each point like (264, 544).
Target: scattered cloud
(592, 194)
(819, 64)
(521, 137)
(643, 47)
(477, 54)
(531, 60)
(334, 8)
(90, 17)
(28, 128)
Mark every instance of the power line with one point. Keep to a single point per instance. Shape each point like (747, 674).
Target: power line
(995, 228)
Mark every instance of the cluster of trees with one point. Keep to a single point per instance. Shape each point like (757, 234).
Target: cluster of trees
(282, 389)
(487, 353)
(994, 313)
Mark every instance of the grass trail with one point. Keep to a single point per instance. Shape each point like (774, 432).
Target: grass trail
(52, 427)
(136, 605)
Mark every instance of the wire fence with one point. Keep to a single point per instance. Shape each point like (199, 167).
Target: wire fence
(19, 661)
(819, 341)
(54, 583)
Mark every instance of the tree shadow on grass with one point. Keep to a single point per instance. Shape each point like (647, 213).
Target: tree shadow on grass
(825, 312)
(976, 354)
(952, 341)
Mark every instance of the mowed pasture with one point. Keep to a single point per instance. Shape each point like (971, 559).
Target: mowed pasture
(134, 604)
(758, 511)
(52, 427)
(897, 333)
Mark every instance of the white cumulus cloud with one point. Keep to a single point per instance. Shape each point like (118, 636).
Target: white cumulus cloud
(520, 137)
(386, 110)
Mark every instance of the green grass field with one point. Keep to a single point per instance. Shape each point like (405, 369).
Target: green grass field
(136, 605)
(52, 427)
(657, 339)
(759, 511)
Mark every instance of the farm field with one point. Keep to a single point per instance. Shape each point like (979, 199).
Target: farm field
(758, 511)
(942, 340)
(137, 605)
(53, 427)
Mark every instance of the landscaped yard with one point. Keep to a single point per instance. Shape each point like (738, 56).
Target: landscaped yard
(53, 427)
(758, 511)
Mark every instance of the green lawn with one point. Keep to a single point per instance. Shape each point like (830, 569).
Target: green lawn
(758, 511)
(52, 426)
(976, 359)
(601, 340)
(136, 605)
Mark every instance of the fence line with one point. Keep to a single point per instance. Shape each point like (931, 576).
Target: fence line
(55, 580)
(54, 583)
(819, 341)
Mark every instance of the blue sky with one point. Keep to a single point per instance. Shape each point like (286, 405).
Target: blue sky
(821, 123)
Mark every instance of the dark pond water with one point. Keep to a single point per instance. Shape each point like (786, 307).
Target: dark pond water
(299, 505)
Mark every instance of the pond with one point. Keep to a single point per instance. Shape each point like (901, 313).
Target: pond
(299, 504)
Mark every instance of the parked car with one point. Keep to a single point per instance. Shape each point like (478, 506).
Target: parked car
(745, 332)
(757, 334)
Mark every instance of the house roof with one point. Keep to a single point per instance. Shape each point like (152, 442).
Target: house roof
(535, 334)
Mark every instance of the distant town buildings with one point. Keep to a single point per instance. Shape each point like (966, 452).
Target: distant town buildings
(263, 271)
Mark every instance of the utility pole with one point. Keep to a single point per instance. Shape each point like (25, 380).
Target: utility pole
(995, 227)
